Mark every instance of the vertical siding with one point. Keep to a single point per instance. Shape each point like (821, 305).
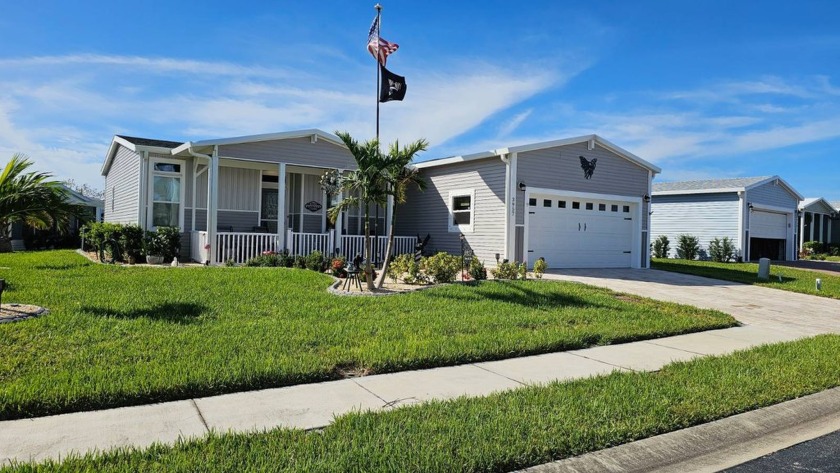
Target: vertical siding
(706, 216)
(122, 188)
(236, 221)
(293, 151)
(560, 168)
(239, 189)
(428, 212)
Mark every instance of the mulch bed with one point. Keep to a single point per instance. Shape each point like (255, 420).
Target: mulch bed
(17, 312)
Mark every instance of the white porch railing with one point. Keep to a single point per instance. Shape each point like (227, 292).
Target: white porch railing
(304, 243)
(352, 245)
(238, 247)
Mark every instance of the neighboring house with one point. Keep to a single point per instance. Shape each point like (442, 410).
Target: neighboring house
(757, 213)
(579, 203)
(817, 221)
(224, 194)
(24, 237)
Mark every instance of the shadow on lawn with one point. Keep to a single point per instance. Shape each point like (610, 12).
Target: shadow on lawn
(176, 312)
(514, 293)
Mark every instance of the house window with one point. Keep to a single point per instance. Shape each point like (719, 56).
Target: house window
(166, 194)
(614, 208)
(561, 204)
(626, 209)
(546, 202)
(575, 205)
(589, 206)
(602, 207)
(461, 210)
(532, 202)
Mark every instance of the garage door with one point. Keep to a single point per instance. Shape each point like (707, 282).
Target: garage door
(580, 233)
(768, 225)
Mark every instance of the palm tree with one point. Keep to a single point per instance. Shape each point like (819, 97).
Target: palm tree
(362, 187)
(32, 198)
(400, 177)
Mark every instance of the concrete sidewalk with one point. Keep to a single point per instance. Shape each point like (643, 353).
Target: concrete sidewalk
(771, 316)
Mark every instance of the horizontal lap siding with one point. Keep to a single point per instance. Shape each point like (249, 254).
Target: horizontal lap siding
(122, 188)
(560, 168)
(294, 151)
(772, 195)
(706, 216)
(428, 212)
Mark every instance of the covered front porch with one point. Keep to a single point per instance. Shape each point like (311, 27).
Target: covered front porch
(251, 195)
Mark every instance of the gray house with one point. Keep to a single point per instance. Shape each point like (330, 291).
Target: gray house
(757, 213)
(234, 198)
(818, 221)
(578, 202)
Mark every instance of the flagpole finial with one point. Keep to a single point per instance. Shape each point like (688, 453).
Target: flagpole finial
(378, 7)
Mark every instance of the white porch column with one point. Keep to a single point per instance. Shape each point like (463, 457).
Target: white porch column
(194, 182)
(511, 190)
(213, 202)
(144, 191)
(801, 231)
(281, 205)
(813, 224)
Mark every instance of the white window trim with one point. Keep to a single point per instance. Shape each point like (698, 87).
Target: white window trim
(453, 228)
(151, 190)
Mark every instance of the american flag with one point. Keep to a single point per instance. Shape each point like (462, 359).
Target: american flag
(379, 47)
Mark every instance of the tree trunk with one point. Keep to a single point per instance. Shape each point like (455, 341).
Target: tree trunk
(369, 253)
(389, 249)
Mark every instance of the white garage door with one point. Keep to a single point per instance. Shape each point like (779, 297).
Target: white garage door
(768, 225)
(572, 232)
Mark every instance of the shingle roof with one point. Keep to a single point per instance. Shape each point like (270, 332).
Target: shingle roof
(708, 185)
(150, 142)
(836, 205)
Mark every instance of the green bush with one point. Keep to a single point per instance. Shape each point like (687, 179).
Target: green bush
(722, 251)
(539, 267)
(688, 247)
(442, 267)
(834, 250)
(269, 259)
(298, 262)
(131, 242)
(810, 248)
(506, 270)
(314, 261)
(661, 247)
(166, 242)
(129, 238)
(477, 270)
(400, 265)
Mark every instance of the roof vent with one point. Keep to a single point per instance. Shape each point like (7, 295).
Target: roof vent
(313, 139)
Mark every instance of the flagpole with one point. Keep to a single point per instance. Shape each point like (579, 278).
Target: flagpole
(378, 29)
(378, 79)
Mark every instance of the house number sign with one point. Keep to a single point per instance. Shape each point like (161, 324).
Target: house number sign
(312, 206)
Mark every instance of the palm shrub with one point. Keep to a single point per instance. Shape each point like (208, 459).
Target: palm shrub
(539, 267)
(688, 247)
(661, 247)
(32, 198)
(722, 251)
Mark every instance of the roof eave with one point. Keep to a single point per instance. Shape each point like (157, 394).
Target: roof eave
(784, 183)
(722, 190)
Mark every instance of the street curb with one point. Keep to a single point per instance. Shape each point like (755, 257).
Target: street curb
(717, 445)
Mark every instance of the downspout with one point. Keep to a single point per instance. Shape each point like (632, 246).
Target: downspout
(741, 243)
(212, 173)
(142, 219)
(646, 242)
(506, 159)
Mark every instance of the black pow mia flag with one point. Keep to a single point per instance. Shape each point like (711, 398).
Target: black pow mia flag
(392, 86)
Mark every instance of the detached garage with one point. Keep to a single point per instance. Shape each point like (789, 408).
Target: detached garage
(757, 213)
(579, 203)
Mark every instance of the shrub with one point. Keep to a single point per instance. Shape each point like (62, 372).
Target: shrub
(539, 267)
(688, 247)
(477, 270)
(661, 247)
(722, 251)
(400, 265)
(315, 261)
(834, 250)
(810, 248)
(131, 242)
(166, 242)
(268, 259)
(442, 267)
(506, 270)
(299, 262)
(338, 265)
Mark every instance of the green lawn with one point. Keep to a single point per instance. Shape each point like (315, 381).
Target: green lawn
(794, 280)
(510, 430)
(130, 335)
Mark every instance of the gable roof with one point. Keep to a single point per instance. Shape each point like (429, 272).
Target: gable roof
(135, 144)
(542, 145)
(80, 199)
(205, 146)
(817, 204)
(836, 205)
(712, 186)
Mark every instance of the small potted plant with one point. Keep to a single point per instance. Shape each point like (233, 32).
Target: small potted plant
(154, 248)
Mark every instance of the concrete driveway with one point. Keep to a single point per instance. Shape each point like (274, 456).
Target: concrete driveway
(751, 305)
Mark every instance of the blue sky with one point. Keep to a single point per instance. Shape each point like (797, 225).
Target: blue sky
(703, 89)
